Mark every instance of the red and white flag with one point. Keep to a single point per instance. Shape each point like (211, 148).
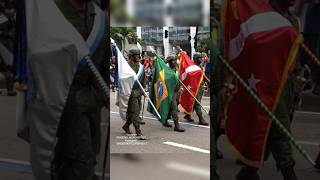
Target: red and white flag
(261, 45)
(191, 76)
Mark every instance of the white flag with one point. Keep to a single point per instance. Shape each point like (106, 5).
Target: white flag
(55, 49)
(126, 78)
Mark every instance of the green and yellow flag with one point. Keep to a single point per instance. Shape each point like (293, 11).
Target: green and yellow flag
(163, 84)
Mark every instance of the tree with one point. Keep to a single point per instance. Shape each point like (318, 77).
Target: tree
(125, 35)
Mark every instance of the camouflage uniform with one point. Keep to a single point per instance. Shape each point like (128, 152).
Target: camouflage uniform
(278, 144)
(134, 104)
(197, 107)
(79, 130)
(173, 111)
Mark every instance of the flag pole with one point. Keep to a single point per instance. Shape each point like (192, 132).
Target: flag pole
(206, 78)
(193, 96)
(145, 94)
(310, 54)
(144, 100)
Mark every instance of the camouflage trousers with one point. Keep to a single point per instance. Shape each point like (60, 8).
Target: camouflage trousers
(173, 111)
(197, 106)
(133, 111)
(278, 144)
(77, 147)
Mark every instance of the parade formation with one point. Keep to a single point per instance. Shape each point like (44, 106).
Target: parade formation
(241, 94)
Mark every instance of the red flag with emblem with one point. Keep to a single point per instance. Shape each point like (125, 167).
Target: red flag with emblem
(261, 45)
(191, 76)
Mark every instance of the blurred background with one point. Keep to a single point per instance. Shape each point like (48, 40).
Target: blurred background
(160, 12)
(160, 166)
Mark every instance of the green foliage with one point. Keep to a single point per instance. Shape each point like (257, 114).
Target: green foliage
(121, 34)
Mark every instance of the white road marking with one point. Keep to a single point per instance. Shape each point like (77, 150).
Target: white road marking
(152, 118)
(308, 112)
(192, 148)
(188, 169)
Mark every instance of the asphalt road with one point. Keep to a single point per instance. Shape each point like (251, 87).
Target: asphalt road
(160, 139)
(166, 154)
(160, 166)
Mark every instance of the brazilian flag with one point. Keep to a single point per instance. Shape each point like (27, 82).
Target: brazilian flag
(163, 84)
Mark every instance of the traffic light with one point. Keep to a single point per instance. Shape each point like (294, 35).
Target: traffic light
(166, 33)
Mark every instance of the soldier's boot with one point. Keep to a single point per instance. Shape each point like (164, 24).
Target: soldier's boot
(248, 173)
(177, 125)
(188, 118)
(318, 162)
(140, 136)
(141, 121)
(167, 124)
(201, 119)
(289, 174)
(126, 127)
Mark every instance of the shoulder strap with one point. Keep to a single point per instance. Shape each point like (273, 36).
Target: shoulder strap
(97, 33)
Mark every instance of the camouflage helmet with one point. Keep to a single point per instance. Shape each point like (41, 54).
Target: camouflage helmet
(149, 53)
(171, 57)
(134, 51)
(196, 56)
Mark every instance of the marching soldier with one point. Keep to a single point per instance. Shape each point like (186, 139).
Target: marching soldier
(79, 133)
(134, 104)
(278, 144)
(173, 111)
(197, 59)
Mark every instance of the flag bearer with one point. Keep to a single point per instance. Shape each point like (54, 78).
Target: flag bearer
(173, 112)
(197, 60)
(134, 104)
(79, 133)
(278, 143)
